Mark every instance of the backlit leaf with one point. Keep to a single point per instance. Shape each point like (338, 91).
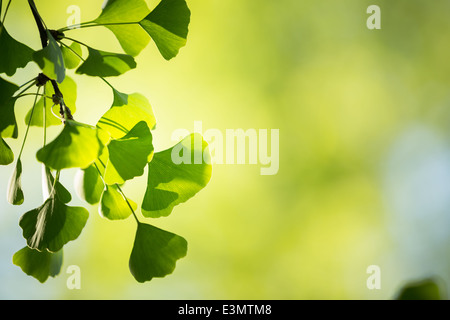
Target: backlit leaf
(13, 54)
(106, 64)
(48, 181)
(77, 146)
(168, 25)
(52, 225)
(37, 264)
(113, 205)
(6, 154)
(50, 60)
(15, 193)
(125, 113)
(8, 124)
(71, 59)
(175, 175)
(88, 185)
(129, 155)
(155, 252)
(121, 11)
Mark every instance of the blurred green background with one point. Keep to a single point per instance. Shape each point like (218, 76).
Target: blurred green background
(364, 174)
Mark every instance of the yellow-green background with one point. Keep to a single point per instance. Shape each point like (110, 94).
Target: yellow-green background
(364, 174)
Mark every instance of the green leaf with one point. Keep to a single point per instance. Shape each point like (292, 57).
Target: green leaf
(77, 146)
(48, 181)
(52, 225)
(13, 54)
(155, 252)
(6, 154)
(132, 38)
(106, 64)
(113, 206)
(168, 25)
(69, 88)
(125, 113)
(8, 123)
(175, 175)
(37, 264)
(129, 155)
(50, 60)
(426, 289)
(122, 11)
(88, 185)
(15, 193)
(71, 60)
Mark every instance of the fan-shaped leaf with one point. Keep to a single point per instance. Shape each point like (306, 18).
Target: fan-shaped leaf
(155, 252)
(122, 11)
(168, 25)
(52, 225)
(37, 264)
(125, 113)
(129, 155)
(175, 175)
(113, 205)
(106, 64)
(13, 54)
(77, 146)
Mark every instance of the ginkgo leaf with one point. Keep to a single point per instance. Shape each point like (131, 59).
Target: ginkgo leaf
(129, 155)
(125, 113)
(39, 265)
(175, 175)
(48, 183)
(168, 25)
(69, 88)
(113, 205)
(13, 54)
(77, 146)
(89, 185)
(52, 225)
(155, 252)
(106, 64)
(132, 38)
(50, 60)
(72, 56)
(15, 193)
(6, 154)
(8, 123)
(122, 11)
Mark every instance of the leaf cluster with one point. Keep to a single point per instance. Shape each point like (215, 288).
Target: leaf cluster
(109, 153)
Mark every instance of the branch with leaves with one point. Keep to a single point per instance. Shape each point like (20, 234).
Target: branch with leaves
(110, 153)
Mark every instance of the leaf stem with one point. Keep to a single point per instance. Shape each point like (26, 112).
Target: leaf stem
(21, 92)
(94, 24)
(128, 203)
(44, 116)
(29, 124)
(119, 189)
(32, 94)
(6, 11)
(34, 79)
(82, 59)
